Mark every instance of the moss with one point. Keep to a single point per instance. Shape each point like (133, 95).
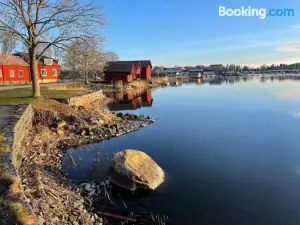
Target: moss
(22, 215)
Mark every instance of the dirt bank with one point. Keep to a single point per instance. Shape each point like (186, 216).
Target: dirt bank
(57, 127)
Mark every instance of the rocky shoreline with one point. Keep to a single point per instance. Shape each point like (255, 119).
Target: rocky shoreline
(53, 198)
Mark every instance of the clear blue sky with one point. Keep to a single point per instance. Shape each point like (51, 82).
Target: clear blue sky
(190, 32)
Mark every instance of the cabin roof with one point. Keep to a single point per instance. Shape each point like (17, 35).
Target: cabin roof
(12, 60)
(125, 66)
(119, 66)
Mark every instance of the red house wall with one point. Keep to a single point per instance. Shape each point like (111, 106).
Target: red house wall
(136, 71)
(6, 77)
(26, 74)
(115, 77)
(146, 73)
(49, 69)
(1, 73)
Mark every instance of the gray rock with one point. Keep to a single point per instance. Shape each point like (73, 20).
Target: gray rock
(133, 169)
(88, 187)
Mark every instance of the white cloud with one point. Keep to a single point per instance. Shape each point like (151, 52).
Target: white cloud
(297, 26)
(289, 47)
(296, 114)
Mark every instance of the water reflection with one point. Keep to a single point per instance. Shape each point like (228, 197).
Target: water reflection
(218, 80)
(240, 167)
(131, 100)
(237, 79)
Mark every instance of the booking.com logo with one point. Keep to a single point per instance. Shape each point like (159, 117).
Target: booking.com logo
(262, 13)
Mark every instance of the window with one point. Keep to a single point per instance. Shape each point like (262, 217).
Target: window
(11, 73)
(1, 74)
(44, 72)
(21, 73)
(54, 72)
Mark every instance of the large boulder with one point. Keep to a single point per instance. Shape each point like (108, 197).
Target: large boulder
(133, 169)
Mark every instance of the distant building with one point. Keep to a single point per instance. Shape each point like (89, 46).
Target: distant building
(200, 67)
(216, 67)
(194, 73)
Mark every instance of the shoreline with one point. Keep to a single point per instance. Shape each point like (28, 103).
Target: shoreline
(54, 198)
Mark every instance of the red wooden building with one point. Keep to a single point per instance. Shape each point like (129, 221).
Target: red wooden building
(127, 71)
(146, 66)
(14, 69)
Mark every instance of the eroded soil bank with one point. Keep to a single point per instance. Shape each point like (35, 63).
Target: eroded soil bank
(53, 198)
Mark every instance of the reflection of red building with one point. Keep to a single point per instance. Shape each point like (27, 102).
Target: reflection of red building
(147, 98)
(132, 101)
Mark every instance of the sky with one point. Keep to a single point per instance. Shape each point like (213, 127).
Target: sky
(190, 32)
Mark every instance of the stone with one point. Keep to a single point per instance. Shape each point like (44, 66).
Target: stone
(120, 115)
(133, 169)
(88, 187)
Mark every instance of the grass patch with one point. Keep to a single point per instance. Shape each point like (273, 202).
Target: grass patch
(23, 95)
(23, 217)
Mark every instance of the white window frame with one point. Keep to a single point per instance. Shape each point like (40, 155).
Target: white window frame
(42, 72)
(55, 75)
(22, 73)
(11, 73)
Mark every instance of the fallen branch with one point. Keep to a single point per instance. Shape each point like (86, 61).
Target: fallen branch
(72, 159)
(117, 216)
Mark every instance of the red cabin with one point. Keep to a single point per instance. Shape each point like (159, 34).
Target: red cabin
(127, 71)
(146, 66)
(15, 69)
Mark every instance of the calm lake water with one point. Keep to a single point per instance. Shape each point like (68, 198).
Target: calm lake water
(230, 150)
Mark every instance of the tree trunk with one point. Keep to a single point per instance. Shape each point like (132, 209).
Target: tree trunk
(36, 92)
(86, 75)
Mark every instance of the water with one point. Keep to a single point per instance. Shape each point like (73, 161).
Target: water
(231, 153)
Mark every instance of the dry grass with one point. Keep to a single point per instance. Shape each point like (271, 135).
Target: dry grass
(119, 85)
(47, 111)
(67, 87)
(2, 137)
(3, 171)
(160, 80)
(23, 217)
(4, 148)
(139, 84)
(14, 189)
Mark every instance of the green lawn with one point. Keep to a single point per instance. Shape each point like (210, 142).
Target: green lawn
(23, 95)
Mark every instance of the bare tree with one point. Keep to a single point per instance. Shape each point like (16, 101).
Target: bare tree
(8, 42)
(111, 56)
(64, 22)
(85, 58)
